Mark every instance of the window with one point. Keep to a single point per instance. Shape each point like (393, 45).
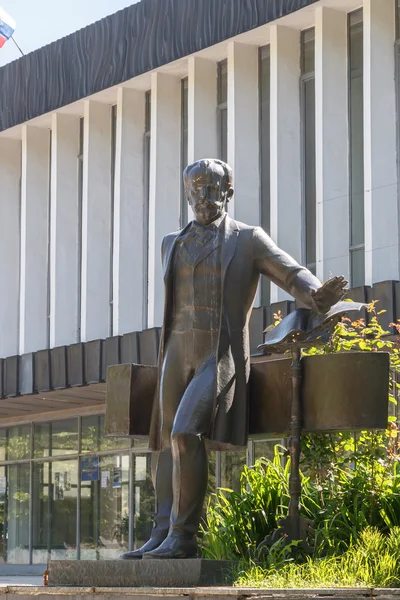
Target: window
(397, 7)
(307, 88)
(264, 134)
(80, 204)
(69, 492)
(356, 151)
(146, 163)
(222, 103)
(184, 147)
(113, 155)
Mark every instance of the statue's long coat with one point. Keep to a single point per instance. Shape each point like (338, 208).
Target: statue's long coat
(246, 252)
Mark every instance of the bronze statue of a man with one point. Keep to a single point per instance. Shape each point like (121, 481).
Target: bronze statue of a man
(211, 273)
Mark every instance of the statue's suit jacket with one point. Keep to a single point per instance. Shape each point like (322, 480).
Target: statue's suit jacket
(246, 253)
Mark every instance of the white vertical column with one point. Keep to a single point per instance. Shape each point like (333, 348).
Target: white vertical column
(165, 181)
(243, 131)
(331, 130)
(286, 211)
(380, 171)
(202, 109)
(96, 221)
(10, 198)
(35, 186)
(64, 237)
(129, 259)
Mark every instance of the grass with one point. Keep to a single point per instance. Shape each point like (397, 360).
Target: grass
(374, 561)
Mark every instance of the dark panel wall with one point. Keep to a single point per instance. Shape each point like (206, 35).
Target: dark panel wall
(137, 39)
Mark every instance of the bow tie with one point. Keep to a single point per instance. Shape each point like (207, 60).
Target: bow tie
(201, 234)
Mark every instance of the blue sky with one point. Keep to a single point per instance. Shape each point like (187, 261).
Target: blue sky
(40, 22)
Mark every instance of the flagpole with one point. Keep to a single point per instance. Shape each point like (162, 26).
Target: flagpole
(22, 54)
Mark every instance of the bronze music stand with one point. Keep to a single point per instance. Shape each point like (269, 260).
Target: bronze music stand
(300, 329)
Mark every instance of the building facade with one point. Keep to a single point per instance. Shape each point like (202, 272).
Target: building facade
(300, 97)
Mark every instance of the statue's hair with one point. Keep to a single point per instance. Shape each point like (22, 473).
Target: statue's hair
(209, 164)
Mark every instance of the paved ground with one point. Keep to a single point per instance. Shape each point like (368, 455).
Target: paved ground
(21, 580)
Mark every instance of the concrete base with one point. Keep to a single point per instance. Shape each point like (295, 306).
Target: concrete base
(141, 573)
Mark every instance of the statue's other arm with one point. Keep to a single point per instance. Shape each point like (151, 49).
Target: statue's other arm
(282, 269)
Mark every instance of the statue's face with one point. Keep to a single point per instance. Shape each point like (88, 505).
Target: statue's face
(206, 194)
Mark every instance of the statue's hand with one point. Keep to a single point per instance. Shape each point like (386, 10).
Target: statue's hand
(328, 294)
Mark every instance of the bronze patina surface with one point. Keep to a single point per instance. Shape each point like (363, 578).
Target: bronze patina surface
(211, 272)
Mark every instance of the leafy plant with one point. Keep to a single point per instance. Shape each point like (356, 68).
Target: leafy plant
(236, 523)
(374, 561)
(350, 483)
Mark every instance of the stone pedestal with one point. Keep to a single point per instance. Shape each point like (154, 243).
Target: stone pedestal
(141, 573)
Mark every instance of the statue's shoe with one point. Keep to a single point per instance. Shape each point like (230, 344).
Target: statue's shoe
(152, 544)
(174, 547)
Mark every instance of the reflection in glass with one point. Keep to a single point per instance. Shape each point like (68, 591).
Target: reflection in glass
(17, 513)
(309, 173)
(265, 448)
(55, 486)
(222, 101)
(58, 438)
(3, 506)
(19, 442)
(94, 440)
(231, 468)
(264, 132)
(184, 147)
(3, 444)
(143, 499)
(308, 145)
(105, 509)
(356, 166)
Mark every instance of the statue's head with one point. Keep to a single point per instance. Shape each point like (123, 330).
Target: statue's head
(208, 188)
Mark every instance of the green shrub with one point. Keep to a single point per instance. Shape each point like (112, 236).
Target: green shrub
(352, 483)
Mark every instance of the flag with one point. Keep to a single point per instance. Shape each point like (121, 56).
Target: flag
(7, 27)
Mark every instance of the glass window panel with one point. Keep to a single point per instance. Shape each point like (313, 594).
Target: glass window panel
(3, 444)
(42, 440)
(356, 107)
(184, 148)
(224, 134)
(140, 443)
(265, 448)
(397, 19)
(17, 514)
(148, 112)
(105, 510)
(54, 507)
(64, 437)
(232, 464)
(309, 170)
(19, 442)
(356, 162)
(222, 82)
(42, 504)
(308, 51)
(222, 109)
(94, 440)
(357, 263)
(3, 506)
(146, 196)
(143, 501)
(356, 17)
(63, 476)
(265, 200)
